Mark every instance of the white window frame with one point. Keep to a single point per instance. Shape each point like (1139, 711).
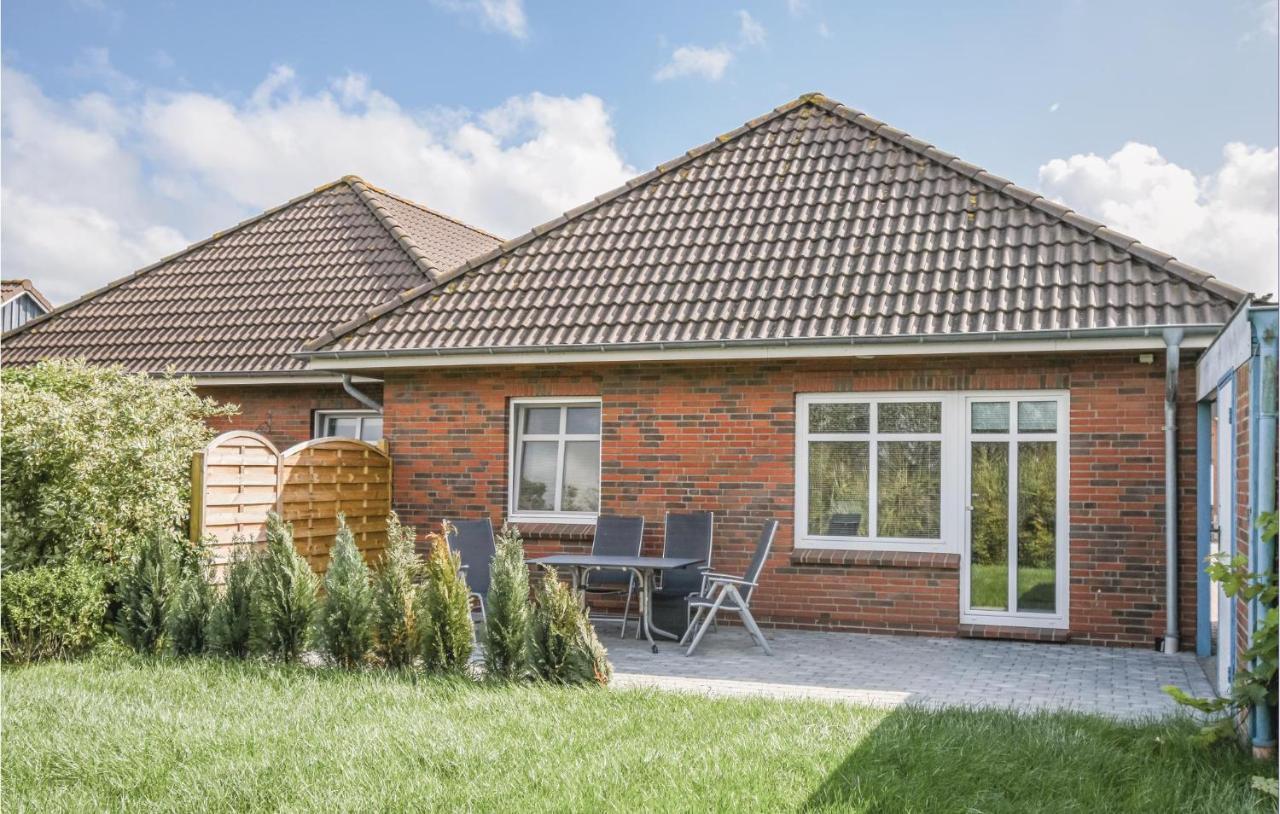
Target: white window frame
(515, 450)
(951, 520)
(322, 417)
(1061, 620)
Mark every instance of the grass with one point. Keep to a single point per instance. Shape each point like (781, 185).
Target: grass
(124, 733)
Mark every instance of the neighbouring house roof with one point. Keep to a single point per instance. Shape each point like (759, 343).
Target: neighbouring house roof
(812, 223)
(11, 289)
(242, 300)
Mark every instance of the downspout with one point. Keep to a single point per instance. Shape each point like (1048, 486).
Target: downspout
(1172, 341)
(1264, 385)
(359, 396)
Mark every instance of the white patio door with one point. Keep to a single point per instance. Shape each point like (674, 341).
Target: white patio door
(1014, 569)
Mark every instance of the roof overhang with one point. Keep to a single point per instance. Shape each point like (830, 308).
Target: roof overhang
(1097, 340)
(1233, 345)
(251, 380)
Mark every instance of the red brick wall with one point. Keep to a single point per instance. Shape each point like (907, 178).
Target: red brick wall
(282, 413)
(720, 437)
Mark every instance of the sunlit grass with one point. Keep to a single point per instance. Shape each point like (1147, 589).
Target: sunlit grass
(122, 733)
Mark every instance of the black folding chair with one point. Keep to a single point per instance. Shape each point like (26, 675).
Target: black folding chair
(726, 592)
(473, 542)
(685, 535)
(616, 536)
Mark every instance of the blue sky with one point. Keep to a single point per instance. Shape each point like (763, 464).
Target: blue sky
(149, 125)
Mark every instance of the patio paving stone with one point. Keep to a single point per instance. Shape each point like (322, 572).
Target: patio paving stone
(883, 670)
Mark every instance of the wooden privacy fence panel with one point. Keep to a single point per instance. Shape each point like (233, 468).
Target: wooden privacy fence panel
(327, 476)
(235, 482)
(240, 477)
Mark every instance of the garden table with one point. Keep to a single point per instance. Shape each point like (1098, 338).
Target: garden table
(643, 568)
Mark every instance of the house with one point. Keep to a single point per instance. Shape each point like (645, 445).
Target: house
(20, 301)
(230, 310)
(972, 408)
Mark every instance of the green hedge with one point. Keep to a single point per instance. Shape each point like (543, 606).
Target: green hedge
(51, 611)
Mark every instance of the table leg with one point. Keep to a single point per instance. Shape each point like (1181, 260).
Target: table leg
(645, 618)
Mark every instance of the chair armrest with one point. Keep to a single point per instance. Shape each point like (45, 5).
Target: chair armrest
(709, 574)
(727, 579)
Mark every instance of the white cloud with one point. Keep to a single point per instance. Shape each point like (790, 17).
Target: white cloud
(1053, 108)
(1224, 222)
(710, 63)
(797, 7)
(69, 249)
(506, 16)
(694, 60)
(750, 31)
(98, 186)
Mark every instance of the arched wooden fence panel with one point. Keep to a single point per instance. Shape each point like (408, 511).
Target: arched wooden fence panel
(240, 477)
(235, 483)
(325, 476)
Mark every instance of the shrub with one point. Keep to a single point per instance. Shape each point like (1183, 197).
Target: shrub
(193, 603)
(284, 595)
(51, 611)
(344, 627)
(506, 632)
(97, 461)
(396, 597)
(563, 644)
(230, 631)
(1255, 681)
(446, 635)
(146, 593)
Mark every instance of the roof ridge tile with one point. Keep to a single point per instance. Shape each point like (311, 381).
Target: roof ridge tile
(403, 238)
(420, 206)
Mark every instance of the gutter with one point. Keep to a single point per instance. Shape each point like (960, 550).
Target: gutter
(1173, 357)
(1151, 332)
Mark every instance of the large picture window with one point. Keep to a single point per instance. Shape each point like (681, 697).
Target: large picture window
(870, 470)
(555, 460)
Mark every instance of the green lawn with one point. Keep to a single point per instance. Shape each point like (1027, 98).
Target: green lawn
(117, 733)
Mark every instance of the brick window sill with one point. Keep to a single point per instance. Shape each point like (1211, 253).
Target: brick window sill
(841, 558)
(1017, 634)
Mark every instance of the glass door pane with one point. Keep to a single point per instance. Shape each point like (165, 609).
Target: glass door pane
(989, 525)
(1037, 525)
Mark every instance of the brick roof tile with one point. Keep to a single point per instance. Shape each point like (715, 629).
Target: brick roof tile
(840, 223)
(243, 300)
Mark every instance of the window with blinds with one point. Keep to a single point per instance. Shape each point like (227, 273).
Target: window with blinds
(871, 468)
